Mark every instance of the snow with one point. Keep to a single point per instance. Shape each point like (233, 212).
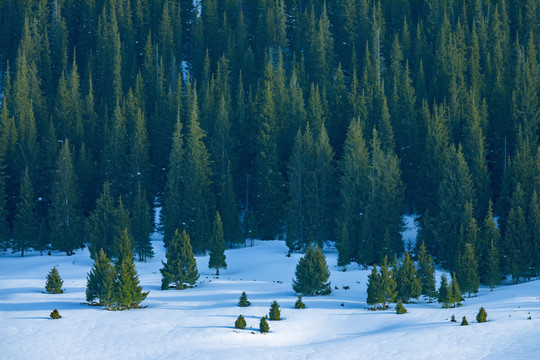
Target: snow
(199, 322)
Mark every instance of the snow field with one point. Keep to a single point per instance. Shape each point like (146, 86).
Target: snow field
(198, 323)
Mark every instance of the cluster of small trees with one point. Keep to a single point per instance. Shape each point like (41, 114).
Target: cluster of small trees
(115, 285)
(403, 281)
(273, 315)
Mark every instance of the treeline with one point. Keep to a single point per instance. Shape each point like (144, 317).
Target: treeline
(303, 119)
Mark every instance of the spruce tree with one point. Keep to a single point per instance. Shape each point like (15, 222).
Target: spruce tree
(488, 259)
(274, 313)
(444, 294)
(426, 272)
(55, 315)
(312, 274)
(128, 293)
(468, 271)
(455, 292)
(400, 309)
(263, 325)
(142, 226)
(240, 323)
(481, 316)
(101, 225)
(408, 284)
(243, 302)
(217, 247)
(299, 304)
(66, 217)
(25, 224)
(181, 267)
(464, 321)
(374, 289)
(54, 282)
(101, 281)
(388, 284)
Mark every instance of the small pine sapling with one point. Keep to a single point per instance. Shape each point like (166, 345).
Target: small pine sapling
(244, 302)
(240, 323)
(263, 325)
(481, 316)
(299, 304)
(275, 314)
(400, 309)
(464, 321)
(55, 315)
(453, 318)
(54, 282)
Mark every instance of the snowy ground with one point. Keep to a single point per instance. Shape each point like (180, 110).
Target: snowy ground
(198, 323)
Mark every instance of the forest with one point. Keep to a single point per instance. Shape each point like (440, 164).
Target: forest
(303, 120)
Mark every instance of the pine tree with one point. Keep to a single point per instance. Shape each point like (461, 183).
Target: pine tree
(388, 284)
(488, 262)
(142, 226)
(55, 315)
(444, 295)
(181, 267)
(312, 274)
(408, 284)
(4, 226)
(25, 224)
(263, 325)
(455, 292)
(299, 304)
(468, 271)
(426, 272)
(240, 323)
(66, 217)
(464, 321)
(128, 293)
(274, 313)
(481, 316)
(374, 289)
(243, 302)
(54, 282)
(101, 281)
(400, 309)
(217, 247)
(354, 189)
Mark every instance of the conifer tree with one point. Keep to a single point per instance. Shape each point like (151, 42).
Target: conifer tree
(464, 321)
(217, 247)
(354, 189)
(481, 316)
(400, 309)
(181, 267)
(444, 294)
(374, 289)
(312, 274)
(388, 284)
(455, 292)
(426, 272)
(263, 325)
(142, 226)
(66, 218)
(228, 206)
(128, 293)
(25, 224)
(240, 323)
(408, 284)
(54, 282)
(243, 302)
(468, 271)
(299, 304)
(488, 259)
(274, 313)
(4, 226)
(102, 224)
(101, 281)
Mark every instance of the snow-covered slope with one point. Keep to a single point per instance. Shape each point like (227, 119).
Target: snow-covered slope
(198, 323)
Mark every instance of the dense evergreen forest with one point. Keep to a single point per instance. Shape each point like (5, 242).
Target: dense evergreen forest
(301, 119)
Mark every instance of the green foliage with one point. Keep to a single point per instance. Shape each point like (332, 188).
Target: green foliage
(142, 226)
(426, 272)
(101, 281)
(312, 274)
(274, 313)
(299, 304)
(181, 266)
(468, 273)
(464, 322)
(445, 293)
(453, 318)
(381, 286)
(55, 315)
(54, 282)
(244, 302)
(481, 316)
(217, 247)
(408, 284)
(400, 309)
(240, 323)
(25, 225)
(374, 289)
(263, 325)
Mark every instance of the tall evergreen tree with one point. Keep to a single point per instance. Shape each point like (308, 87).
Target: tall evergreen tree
(101, 281)
(217, 246)
(25, 224)
(181, 267)
(66, 217)
(408, 284)
(142, 226)
(312, 274)
(468, 271)
(426, 272)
